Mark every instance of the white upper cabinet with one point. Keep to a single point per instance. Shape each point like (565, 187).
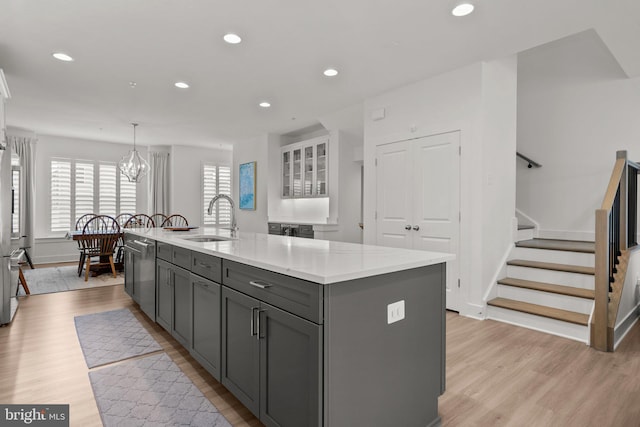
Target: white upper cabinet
(304, 169)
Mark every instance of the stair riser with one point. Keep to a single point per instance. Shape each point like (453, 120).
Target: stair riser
(539, 323)
(583, 281)
(527, 234)
(558, 257)
(548, 299)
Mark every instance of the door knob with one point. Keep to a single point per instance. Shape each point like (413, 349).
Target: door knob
(407, 227)
(416, 227)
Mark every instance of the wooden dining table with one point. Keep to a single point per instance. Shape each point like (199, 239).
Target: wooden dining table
(96, 270)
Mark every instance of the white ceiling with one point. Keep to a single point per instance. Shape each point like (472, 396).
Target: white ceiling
(377, 45)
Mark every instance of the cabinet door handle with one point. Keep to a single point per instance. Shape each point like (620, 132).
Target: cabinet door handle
(146, 245)
(416, 227)
(253, 316)
(407, 227)
(260, 284)
(258, 331)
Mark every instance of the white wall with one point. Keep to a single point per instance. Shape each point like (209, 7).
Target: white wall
(457, 100)
(186, 178)
(54, 248)
(254, 150)
(629, 308)
(575, 110)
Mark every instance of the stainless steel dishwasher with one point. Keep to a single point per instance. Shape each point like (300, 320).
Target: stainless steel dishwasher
(140, 272)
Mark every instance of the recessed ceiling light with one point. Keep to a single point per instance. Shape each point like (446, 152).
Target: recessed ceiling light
(265, 104)
(330, 72)
(62, 57)
(232, 38)
(182, 85)
(462, 9)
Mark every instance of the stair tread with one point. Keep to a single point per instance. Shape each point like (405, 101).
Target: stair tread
(558, 245)
(548, 287)
(552, 266)
(540, 310)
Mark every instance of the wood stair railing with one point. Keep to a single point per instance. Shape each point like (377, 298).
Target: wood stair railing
(616, 232)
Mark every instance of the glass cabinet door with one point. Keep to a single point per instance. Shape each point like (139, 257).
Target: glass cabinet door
(286, 174)
(308, 171)
(297, 172)
(321, 170)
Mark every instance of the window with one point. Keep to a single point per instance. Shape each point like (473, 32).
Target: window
(95, 187)
(216, 180)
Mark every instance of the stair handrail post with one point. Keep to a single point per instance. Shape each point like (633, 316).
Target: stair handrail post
(600, 321)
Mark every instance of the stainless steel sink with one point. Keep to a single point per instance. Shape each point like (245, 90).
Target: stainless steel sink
(206, 238)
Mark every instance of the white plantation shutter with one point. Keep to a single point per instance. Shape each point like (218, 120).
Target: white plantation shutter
(216, 180)
(60, 195)
(224, 187)
(73, 183)
(108, 197)
(84, 189)
(15, 217)
(127, 195)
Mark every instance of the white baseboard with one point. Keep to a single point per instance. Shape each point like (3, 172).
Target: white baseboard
(501, 272)
(52, 259)
(623, 328)
(474, 311)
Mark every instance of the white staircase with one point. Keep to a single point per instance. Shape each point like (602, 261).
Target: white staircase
(549, 286)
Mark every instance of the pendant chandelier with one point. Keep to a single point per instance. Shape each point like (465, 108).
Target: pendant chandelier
(132, 165)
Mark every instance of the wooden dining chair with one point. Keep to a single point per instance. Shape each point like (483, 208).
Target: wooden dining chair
(158, 218)
(80, 223)
(99, 238)
(175, 220)
(140, 221)
(123, 218)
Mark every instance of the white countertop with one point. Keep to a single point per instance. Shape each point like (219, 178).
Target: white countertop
(320, 261)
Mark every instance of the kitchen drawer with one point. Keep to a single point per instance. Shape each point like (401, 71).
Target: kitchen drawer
(206, 266)
(294, 295)
(275, 228)
(163, 251)
(181, 257)
(305, 231)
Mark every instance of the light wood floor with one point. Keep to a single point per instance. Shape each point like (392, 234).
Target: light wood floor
(497, 374)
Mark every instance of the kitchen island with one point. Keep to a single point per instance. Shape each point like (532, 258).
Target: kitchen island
(303, 332)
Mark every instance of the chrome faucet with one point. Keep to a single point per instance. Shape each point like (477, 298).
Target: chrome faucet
(234, 226)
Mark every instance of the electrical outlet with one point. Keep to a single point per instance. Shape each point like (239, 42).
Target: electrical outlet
(395, 312)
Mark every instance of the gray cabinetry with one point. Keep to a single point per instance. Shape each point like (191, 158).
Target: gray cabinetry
(182, 317)
(290, 369)
(173, 307)
(205, 345)
(271, 358)
(240, 372)
(164, 294)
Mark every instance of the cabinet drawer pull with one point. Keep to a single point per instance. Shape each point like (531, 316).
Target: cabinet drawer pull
(260, 284)
(202, 265)
(204, 285)
(146, 245)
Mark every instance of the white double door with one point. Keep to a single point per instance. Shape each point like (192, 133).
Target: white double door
(418, 199)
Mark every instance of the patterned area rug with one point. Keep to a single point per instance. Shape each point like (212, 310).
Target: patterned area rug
(111, 336)
(151, 391)
(59, 279)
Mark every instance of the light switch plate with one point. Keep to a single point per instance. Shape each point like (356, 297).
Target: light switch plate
(395, 312)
